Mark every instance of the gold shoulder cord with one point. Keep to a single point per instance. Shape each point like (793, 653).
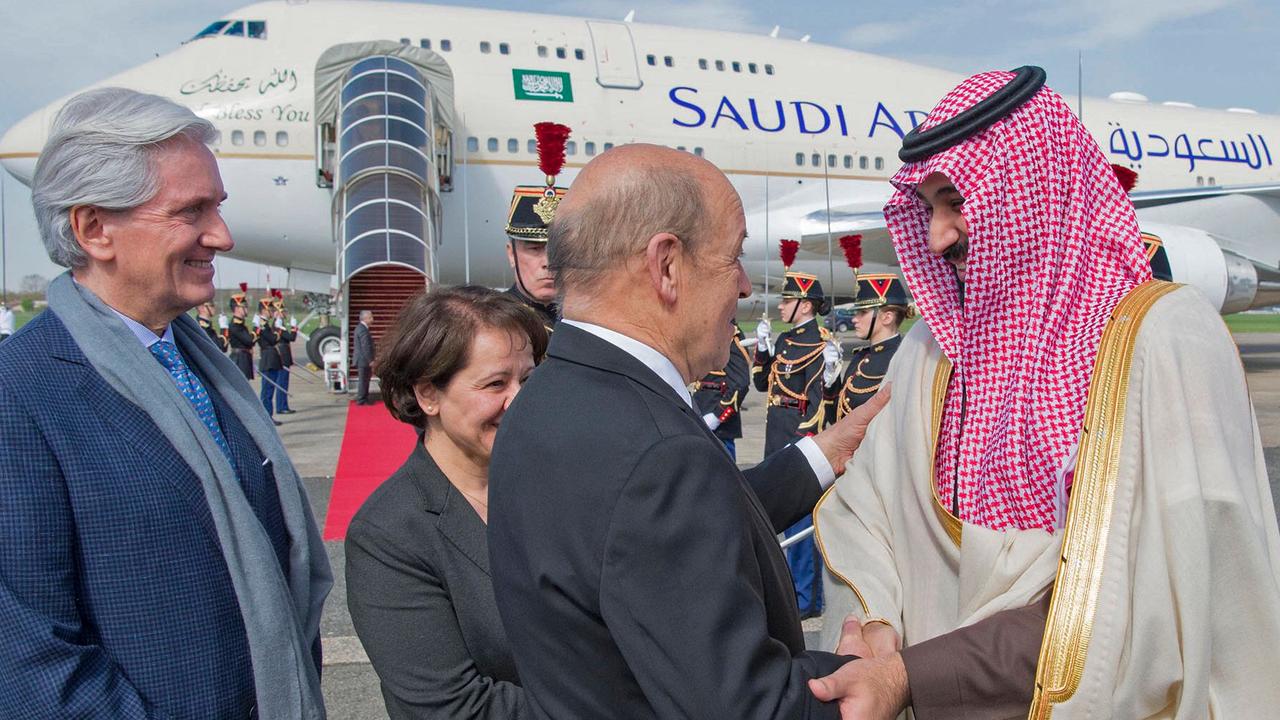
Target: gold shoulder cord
(1069, 625)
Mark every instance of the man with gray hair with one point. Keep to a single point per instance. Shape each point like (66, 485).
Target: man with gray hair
(636, 569)
(158, 557)
(363, 356)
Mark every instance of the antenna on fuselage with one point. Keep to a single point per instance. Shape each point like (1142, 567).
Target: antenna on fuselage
(630, 16)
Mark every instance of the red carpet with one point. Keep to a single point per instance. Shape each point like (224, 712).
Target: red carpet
(374, 445)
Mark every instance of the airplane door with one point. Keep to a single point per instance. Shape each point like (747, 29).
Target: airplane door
(616, 64)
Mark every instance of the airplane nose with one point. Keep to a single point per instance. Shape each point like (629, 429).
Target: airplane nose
(20, 146)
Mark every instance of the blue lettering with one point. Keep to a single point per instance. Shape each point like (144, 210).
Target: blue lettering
(755, 116)
(886, 122)
(917, 117)
(702, 116)
(732, 114)
(826, 118)
(844, 126)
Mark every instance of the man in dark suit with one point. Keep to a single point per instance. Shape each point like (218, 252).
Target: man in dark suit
(364, 355)
(611, 502)
(240, 337)
(158, 558)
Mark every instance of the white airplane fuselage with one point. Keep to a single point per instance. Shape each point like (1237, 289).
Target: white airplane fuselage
(797, 127)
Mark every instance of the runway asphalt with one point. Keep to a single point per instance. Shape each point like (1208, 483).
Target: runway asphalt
(313, 436)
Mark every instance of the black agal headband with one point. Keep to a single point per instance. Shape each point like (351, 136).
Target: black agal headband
(918, 144)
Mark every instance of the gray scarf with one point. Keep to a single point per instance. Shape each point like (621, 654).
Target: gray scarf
(281, 615)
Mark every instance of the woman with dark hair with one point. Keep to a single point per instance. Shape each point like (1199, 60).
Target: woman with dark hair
(417, 559)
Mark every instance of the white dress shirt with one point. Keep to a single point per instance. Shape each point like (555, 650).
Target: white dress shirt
(665, 369)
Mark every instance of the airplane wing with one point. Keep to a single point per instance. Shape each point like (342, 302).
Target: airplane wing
(1154, 198)
(877, 249)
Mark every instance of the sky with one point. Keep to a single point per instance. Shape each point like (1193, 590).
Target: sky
(1213, 53)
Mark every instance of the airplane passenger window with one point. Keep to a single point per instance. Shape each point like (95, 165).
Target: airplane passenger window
(492, 144)
(1200, 181)
(445, 45)
(236, 28)
(237, 137)
(542, 51)
(424, 43)
(768, 69)
(608, 146)
(800, 159)
(260, 138)
(702, 63)
(217, 138)
(848, 161)
(571, 148)
(504, 49)
(1211, 182)
(879, 163)
(214, 28)
(257, 29)
(652, 60)
(862, 163)
(666, 60)
(560, 53)
(578, 54)
(473, 144)
(589, 147)
(532, 147)
(484, 46)
(405, 41)
(737, 66)
(513, 145)
(682, 148)
(697, 151)
(720, 65)
(815, 159)
(282, 139)
(753, 68)
(831, 161)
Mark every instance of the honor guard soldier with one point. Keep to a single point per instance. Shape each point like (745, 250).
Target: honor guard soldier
(286, 332)
(718, 396)
(532, 209)
(799, 370)
(267, 337)
(879, 310)
(204, 316)
(240, 337)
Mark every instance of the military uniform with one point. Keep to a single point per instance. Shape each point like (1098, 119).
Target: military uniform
(207, 325)
(869, 364)
(799, 405)
(267, 337)
(240, 337)
(533, 207)
(720, 394)
(284, 346)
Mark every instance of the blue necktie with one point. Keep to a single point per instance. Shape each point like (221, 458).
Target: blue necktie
(193, 390)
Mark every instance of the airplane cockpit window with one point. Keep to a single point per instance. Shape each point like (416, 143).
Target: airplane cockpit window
(256, 29)
(214, 28)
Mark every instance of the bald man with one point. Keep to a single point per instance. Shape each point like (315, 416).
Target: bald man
(636, 569)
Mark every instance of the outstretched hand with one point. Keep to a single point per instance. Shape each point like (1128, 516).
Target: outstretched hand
(866, 689)
(839, 441)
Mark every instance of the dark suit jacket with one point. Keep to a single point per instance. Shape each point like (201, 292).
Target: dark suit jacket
(115, 601)
(364, 352)
(636, 571)
(268, 353)
(422, 603)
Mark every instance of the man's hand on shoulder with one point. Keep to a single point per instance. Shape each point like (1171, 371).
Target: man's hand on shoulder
(839, 441)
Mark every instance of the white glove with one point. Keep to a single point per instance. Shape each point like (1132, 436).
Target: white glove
(257, 321)
(293, 323)
(279, 324)
(711, 420)
(831, 362)
(764, 336)
(222, 322)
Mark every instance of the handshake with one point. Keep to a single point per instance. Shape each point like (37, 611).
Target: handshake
(875, 685)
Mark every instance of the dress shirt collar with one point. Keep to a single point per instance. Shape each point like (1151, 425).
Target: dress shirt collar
(145, 335)
(652, 359)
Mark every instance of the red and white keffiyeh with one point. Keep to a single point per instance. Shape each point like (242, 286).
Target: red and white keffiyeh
(1053, 247)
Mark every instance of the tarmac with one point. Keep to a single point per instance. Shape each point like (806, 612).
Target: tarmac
(313, 436)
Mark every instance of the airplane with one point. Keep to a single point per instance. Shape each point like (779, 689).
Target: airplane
(370, 147)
